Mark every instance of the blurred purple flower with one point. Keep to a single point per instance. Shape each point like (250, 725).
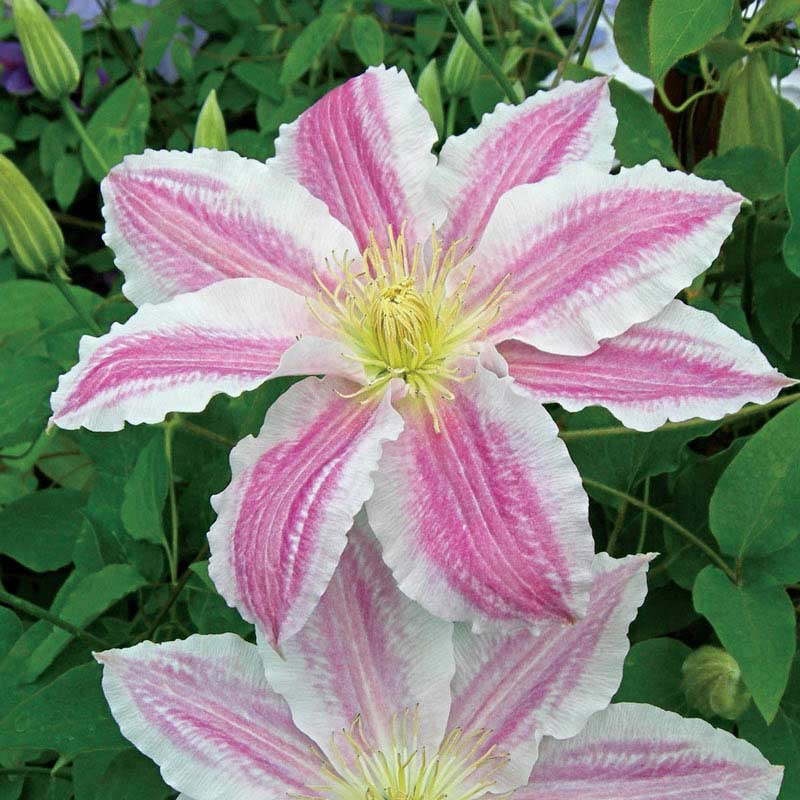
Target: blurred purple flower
(14, 77)
(394, 16)
(91, 10)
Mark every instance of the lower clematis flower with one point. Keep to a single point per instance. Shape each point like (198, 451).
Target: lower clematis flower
(378, 700)
(355, 255)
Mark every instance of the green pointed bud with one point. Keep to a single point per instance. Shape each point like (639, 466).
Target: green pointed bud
(33, 236)
(210, 130)
(462, 66)
(713, 684)
(430, 92)
(51, 65)
(752, 114)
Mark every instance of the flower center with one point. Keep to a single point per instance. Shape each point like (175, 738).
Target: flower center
(462, 768)
(400, 321)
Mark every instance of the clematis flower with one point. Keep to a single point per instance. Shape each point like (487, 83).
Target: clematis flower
(353, 254)
(378, 700)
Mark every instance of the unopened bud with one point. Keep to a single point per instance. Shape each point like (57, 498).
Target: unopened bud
(210, 130)
(51, 65)
(462, 66)
(713, 684)
(430, 93)
(752, 114)
(33, 236)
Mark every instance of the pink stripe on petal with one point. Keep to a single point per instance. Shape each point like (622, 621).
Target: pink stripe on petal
(487, 520)
(180, 221)
(589, 255)
(228, 337)
(295, 491)
(524, 685)
(203, 711)
(639, 752)
(365, 150)
(522, 144)
(683, 363)
(369, 650)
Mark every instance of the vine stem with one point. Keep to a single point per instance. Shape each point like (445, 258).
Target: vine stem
(58, 281)
(587, 39)
(75, 121)
(489, 61)
(712, 554)
(172, 552)
(573, 46)
(588, 433)
(33, 610)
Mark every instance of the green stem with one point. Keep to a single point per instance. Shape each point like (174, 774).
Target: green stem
(75, 121)
(618, 523)
(45, 771)
(667, 520)
(686, 103)
(589, 433)
(205, 433)
(172, 552)
(450, 124)
(58, 281)
(643, 528)
(460, 24)
(570, 51)
(41, 613)
(587, 39)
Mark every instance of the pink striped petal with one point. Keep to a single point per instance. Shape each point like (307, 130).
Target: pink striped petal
(639, 752)
(522, 144)
(681, 364)
(366, 650)
(589, 255)
(487, 520)
(365, 150)
(203, 711)
(180, 221)
(228, 337)
(296, 488)
(523, 685)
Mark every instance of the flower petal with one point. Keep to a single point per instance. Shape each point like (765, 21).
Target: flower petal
(486, 521)
(522, 144)
(228, 337)
(203, 711)
(640, 752)
(589, 255)
(523, 685)
(366, 650)
(681, 364)
(365, 150)
(180, 221)
(296, 488)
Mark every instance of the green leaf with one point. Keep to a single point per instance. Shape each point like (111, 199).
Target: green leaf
(776, 298)
(630, 34)
(652, 674)
(774, 11)
(161, 32)
(755, 508)
(679, 27)
(69, 715)
(260, 77)
(118, 126)
(367, 39)
(67, 177)
(642, 133)
(755, 172)
(132, 776)
(755, 623)
(313, 39)
(40, 529)
(145, 493)
(791, 244)
(25, 399)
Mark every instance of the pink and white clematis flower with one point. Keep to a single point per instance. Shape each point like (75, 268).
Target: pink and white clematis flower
(378, 700)
(356, 255)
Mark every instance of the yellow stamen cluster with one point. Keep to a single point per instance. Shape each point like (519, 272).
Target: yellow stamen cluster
(398, 317)
(462, 769)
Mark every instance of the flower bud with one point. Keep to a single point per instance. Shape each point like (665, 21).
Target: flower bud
(752, 114)
(462, 66)
(713, 684)
(430, 93)
(210, 130)
(51, 65)
(33, 236)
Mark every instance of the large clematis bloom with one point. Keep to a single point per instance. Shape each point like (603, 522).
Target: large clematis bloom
(378, 700)
(354, 254)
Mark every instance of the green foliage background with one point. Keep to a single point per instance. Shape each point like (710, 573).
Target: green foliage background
(102, 536)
